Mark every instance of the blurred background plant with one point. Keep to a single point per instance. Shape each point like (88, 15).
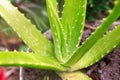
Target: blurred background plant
(98, 9)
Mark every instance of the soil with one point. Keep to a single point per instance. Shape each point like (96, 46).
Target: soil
(106, 69)
(109, 67)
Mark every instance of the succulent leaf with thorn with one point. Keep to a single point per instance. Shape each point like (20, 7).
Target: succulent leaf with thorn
(65, 56)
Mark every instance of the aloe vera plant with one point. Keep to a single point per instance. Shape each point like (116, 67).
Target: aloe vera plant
(65, 56)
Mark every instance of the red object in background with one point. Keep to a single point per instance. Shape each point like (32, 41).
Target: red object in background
(2, 74)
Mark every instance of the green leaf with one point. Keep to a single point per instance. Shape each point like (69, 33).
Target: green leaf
(25, 29)
(37, 19)
(73, 19)
(29, 60)
(67, 31)
(77, 75)
(96, 35)
(56, 27)
(101, 48)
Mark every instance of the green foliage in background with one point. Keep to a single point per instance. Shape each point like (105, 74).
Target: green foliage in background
(98, 8)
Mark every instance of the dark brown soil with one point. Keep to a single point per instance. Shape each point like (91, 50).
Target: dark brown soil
(106, 69)
(109, 67)
(34, 74)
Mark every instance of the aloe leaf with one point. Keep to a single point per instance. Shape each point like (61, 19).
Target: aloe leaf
(101, 48)
(74, 76)
(96, 35)
(73, 18)
(25, 29)
(36, 18)
(30, 60)
(56, 27)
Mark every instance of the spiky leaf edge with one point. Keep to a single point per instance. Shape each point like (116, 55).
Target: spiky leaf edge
(101, 48)
(73, 18)
(81, 51)
(56, 28)
(25, 29)
(30, 60)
